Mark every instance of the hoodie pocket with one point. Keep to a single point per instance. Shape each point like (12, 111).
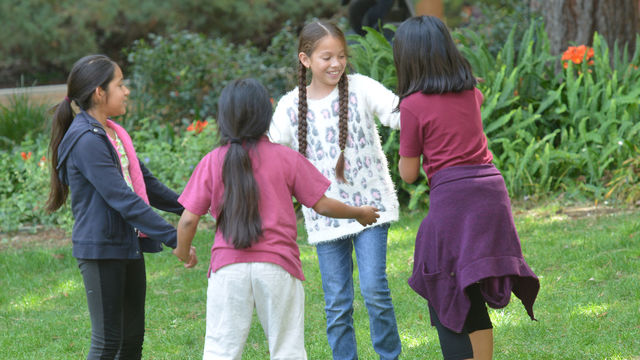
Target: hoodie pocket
(114, 230)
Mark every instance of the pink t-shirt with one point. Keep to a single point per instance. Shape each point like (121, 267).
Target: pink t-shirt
(445, 129)
(280, 173)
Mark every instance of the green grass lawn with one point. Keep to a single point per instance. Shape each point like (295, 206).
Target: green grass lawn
(588, 306)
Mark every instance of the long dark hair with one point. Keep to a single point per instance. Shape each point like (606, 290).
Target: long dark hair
(309, 37)
(86, 76)
(244, 116)
(427, 59)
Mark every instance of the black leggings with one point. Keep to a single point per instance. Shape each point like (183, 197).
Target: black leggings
(457, 346)
(116, 291)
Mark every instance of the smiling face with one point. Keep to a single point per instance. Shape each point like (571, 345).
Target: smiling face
(327, 63)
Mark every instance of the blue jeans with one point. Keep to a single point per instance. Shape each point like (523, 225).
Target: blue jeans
(336, 269)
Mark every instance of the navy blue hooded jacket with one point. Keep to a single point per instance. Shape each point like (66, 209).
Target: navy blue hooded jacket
(105, 209)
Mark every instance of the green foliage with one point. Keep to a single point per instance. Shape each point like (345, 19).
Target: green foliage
(41, 39)
(493, 21)
(547, 128)
(172, 156)
(625, 184)
(24, 188)
(177, 79)
(20, 118)
(256, 21)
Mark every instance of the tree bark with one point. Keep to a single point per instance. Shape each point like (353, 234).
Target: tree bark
(573, 22)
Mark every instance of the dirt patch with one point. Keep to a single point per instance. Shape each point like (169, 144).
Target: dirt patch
(47, 238)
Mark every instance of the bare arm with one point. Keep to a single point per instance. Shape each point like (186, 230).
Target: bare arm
(187, 227)
(409, 168)
(326, 206)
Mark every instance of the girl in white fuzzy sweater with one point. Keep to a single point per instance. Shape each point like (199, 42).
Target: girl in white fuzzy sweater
(338, 135)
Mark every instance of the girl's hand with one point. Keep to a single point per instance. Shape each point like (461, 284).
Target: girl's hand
(193, 259)
(368, 215)
(188, 257)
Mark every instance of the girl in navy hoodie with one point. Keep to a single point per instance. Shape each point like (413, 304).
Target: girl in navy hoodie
(111, 197)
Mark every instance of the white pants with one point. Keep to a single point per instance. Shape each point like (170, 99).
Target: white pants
(233, 292)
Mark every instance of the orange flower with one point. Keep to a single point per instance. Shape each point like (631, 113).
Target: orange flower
(576, 54)
(198, 126)
(25, 156)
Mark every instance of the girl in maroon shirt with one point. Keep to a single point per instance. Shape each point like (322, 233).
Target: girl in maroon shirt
(467, 251)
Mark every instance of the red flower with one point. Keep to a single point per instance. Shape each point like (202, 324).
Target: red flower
(25, 156)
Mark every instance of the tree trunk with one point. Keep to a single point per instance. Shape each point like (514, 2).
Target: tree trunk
(430, 7)
(573, 22)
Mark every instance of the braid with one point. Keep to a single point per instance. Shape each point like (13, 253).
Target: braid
(302, 110)
(343, 91)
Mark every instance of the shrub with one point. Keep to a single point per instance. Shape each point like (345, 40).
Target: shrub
(24, 188)
(177, 79)
(20, 118)
(42, 39)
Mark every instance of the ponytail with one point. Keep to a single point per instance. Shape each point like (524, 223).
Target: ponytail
(244, 116)
(239, 218)
(62, 119)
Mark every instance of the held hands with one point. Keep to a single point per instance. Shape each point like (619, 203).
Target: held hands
(368, 215)
(188, 258)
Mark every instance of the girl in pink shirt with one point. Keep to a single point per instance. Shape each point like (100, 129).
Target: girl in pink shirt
(246, 184)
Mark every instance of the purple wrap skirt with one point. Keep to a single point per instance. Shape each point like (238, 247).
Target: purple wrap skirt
(469, 237)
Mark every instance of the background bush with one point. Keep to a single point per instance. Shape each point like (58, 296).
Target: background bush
(177, 79)
(40, 39)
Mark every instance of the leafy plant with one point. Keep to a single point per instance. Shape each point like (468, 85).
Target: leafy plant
(20, 118)
(625, 182)
(549, 129)
(24, 188)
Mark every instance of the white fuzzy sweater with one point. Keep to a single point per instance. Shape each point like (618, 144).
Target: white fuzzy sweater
(366, 169)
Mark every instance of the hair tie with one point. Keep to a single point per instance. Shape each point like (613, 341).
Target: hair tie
(66, 98)
(235, 140)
